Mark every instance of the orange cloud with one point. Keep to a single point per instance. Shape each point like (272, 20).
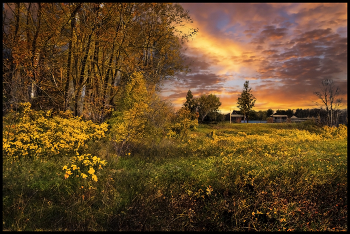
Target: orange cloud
(284, 49)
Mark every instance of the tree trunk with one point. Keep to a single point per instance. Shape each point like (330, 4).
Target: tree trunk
(79, 97)
(15, 72)
(108, 78)
(79, 85)
(69, 90)
(35, 56)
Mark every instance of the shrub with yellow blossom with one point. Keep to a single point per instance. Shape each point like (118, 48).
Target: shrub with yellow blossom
(36, 134)
(182, 122)
(128, 122)
(84, 166)
(340, 132)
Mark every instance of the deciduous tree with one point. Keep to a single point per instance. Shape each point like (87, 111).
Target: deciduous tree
(328, 94)
(206, 104)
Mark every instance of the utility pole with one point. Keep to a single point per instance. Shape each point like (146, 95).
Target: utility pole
(230, 116)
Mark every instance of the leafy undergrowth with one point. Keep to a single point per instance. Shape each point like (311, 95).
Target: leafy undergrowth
(224, 177)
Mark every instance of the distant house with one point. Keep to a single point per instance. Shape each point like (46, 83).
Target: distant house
(279, 118)
(235, 117)
(294, 119)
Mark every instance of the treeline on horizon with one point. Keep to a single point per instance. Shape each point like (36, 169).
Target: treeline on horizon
(263, 115)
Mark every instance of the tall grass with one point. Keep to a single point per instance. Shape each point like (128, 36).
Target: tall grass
(224, 177)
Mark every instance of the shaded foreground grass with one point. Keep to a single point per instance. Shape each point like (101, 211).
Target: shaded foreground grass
(263, 177)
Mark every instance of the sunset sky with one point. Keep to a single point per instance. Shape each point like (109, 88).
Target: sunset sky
(285, 50)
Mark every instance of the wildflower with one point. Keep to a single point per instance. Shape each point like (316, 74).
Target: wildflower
(83, 175)
(94, 177)
(209, 190)
(91, 171)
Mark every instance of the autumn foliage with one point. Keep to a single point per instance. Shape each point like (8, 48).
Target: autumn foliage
(141, 115)
(75, 56)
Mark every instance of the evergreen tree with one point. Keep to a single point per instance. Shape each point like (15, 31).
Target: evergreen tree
(246, 100)
(190, 103)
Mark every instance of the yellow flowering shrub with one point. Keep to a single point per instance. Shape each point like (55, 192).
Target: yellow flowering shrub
(128, 122)
(182, 122)
(36, 134)
(141, 116)
(84, 166)
(131, 125)
(340, 132)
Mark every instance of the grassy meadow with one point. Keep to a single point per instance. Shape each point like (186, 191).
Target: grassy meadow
(221, 177)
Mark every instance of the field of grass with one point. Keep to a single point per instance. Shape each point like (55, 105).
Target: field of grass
(224, 177)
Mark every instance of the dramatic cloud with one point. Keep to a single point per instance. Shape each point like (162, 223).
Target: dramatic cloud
(270, 33)
(285, 50)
